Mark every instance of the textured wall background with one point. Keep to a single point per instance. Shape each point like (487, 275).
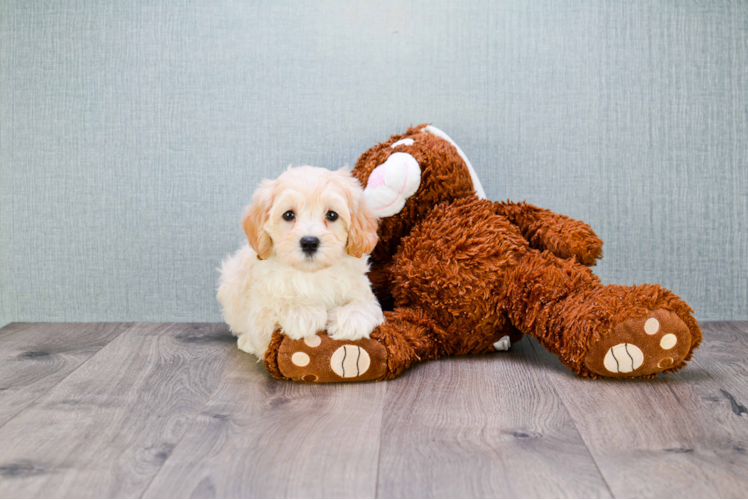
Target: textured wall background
(133, 133)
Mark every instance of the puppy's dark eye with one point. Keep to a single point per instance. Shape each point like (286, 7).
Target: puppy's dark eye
(331, 216)
(289, 216)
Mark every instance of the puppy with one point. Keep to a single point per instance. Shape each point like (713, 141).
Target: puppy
(305, 267)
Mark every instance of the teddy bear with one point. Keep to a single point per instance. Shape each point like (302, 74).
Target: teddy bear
(459, 274)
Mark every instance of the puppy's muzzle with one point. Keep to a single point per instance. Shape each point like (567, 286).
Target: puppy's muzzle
(309, 245)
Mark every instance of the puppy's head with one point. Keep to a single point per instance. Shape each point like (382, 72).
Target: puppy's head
(309, 218)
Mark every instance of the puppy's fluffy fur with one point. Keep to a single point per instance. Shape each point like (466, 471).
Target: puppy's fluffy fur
(276, 281)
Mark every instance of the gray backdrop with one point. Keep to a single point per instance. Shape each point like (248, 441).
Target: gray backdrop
(133, 133)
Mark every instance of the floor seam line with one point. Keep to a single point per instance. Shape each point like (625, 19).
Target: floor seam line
(573, 422)
(381, 430)
(197, 414)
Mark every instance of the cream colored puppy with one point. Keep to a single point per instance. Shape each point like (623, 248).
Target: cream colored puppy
(305, 267)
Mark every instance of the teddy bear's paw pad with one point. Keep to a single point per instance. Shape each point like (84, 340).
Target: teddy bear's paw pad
(321, 359)
(641, 346)
(392, 183)
(350, 361)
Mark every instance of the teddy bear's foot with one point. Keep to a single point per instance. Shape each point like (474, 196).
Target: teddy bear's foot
(321, 359)
(641, 346)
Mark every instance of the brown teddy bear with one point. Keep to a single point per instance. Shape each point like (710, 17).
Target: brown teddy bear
(458, 274)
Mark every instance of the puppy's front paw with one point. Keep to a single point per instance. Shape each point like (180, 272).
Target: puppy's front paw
(352, 323)
(303, 322)
(244, 343)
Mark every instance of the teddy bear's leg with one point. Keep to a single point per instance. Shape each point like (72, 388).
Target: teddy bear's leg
(413, 335)
(546, 230)
(407, 336)
(597, 330)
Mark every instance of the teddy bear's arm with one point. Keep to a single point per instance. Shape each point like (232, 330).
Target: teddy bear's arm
(561, 235)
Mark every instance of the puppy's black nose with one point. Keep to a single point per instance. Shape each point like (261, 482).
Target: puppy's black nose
(309, 244)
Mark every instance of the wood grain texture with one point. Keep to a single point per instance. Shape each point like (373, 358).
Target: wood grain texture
(260, 437)
(34, 357)
(723, 356)
(487, 426)
(108, 427)
(178, 411)
(682, 435)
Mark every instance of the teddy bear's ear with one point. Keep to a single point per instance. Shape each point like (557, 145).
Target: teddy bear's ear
(392, 183)
(430, 129)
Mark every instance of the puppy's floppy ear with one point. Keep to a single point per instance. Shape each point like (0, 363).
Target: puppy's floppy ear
(255, 217)
(362, 230)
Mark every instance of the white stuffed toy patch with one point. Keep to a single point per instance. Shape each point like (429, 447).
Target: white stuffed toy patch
(392, 183)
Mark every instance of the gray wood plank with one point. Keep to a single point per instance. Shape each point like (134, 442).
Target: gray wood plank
(260, 437)
(484, 426)
(723, 355)
(678, 435)
(35, 357)
(108, 427)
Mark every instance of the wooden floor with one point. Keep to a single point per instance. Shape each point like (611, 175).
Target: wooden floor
(175, 410)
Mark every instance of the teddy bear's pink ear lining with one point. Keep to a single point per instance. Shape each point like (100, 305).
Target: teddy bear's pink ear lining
(392, 183)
